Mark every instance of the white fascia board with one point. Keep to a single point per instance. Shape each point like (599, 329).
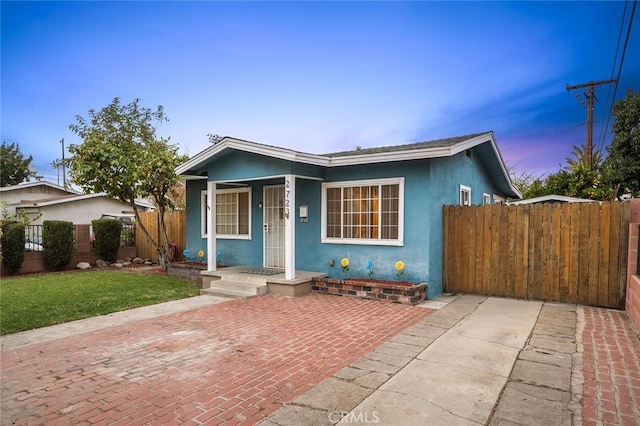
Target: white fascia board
(251, 147)
(386, 157)
(462, 146)
(73, 198)
(505, 172)
(38, 183)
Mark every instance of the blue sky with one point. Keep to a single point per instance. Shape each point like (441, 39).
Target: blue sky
(318, 76)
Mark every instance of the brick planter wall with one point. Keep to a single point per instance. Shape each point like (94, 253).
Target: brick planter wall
(384, 291)
(187, 271)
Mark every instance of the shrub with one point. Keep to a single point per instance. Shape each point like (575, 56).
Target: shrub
(12, 243)
(107, 232)
(57, 243)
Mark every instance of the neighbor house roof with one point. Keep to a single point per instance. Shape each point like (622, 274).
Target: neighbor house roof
(37, 183)
(553, 199)
(483, 142)
(71, 198)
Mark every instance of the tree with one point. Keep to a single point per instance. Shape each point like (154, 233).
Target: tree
(576, 179)
(14, 168)
(622, 166)
(121, 156)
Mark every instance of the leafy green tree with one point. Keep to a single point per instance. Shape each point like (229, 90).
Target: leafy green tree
(14, 168)
(121, 156)
(576, 179)
(622, 166)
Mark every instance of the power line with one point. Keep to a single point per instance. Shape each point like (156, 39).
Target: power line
(624, 51)
(607, 112)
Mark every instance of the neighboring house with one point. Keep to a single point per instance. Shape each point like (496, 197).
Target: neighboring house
(279, 208)
(16, 194)
(45, 201)
(552, 199)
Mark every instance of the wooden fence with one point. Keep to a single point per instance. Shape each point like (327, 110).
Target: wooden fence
(568, 252)
(176, 230)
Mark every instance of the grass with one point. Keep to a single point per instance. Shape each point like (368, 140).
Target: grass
(39, 300)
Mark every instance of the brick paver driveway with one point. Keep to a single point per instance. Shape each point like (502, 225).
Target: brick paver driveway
(234, 362)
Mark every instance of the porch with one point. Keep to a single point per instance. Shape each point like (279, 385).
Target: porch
(251, 281)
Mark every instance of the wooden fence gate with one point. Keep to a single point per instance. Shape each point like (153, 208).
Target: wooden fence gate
(176, 230)
(567, 252)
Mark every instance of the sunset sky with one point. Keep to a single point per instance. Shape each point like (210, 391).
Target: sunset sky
(319, 76)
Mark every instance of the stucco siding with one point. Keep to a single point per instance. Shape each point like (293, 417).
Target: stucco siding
(447, 174)
(428, 185)
(245, 166)
(317, 256)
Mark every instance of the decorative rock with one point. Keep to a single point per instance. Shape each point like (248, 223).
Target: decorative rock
(101, 264)
(129, 259)
(127, 263)
(120, 261)
(138, 260)
(148, 262)
(83, 265)
(117, 265)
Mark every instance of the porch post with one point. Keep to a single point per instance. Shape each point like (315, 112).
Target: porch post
(211, 226)
(289, 227)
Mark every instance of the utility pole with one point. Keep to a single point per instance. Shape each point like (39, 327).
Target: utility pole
(590, 102)
(64, 169)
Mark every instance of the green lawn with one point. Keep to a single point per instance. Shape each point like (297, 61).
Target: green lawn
(40, 300)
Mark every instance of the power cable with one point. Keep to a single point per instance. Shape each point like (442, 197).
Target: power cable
(624, 51)
(607, 111)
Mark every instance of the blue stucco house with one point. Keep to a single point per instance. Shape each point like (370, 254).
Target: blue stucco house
(279, 208)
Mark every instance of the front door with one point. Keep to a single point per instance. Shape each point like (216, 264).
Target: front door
(273, 226)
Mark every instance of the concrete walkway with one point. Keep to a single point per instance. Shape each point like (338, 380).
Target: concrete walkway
(450, 368)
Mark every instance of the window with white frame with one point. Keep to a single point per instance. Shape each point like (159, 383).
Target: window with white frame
(363, 212)
(465, 195)
(233, 217)
(486, 199)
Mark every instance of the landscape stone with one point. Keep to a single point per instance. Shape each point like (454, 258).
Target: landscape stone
(138, 260)
(83, 265)
(101, 264)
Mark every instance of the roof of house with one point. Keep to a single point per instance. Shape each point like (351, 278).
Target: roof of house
(438, 143)
(37, 183)
(483, 143)
(71, 198)
(553, 199)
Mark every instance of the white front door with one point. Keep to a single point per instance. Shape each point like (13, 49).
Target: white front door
(273, 226)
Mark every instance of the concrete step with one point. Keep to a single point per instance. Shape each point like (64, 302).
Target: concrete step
(235, 289)
(241, 277)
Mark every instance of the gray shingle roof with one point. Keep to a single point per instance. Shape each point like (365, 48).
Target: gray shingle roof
(438, 143)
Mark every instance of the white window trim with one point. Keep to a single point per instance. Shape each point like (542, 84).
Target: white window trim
(203, 217)
(486, 199)
(497, 199)
(372, 242)
(464, 188)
